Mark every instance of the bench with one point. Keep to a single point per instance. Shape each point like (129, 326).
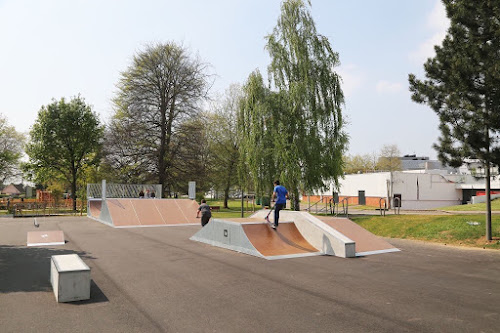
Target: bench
(70, 278)
(217, 208)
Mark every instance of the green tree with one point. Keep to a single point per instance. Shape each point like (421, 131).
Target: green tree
(223, 140)
(462, 87)
(64, 139)
(360, 163)
(11, 149)
(158, 91)
(256, 124)
(191, 148)
(307, 126)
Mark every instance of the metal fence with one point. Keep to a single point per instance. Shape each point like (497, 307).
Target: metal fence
(123, 190)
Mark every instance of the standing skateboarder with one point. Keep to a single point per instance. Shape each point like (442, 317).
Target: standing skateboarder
(206, 213)
(280, 194)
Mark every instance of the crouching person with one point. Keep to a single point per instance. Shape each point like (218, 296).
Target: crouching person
(206, 214)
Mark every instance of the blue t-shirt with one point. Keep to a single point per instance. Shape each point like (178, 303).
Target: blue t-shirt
(281, 193)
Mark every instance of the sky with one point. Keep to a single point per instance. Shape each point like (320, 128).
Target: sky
(58, 48)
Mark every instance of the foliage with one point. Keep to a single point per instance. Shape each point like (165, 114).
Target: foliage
(156, 94)
(389, 159)
(256, 123)
(11, 148)
(191, 149)
(64, 139)
(461, 86)
(360, 163)
(305, 118)
(222, 136)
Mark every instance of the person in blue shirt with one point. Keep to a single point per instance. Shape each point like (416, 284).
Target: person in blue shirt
(280, 194)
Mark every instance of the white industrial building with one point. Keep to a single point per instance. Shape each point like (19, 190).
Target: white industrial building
(421, 188)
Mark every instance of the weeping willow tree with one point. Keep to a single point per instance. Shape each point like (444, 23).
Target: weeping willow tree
(256, 121)
(300, 122)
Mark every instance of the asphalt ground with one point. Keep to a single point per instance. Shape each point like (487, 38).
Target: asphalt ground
(157, 280)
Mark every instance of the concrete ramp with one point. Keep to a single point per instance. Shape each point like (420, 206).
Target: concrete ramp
(366, 242)
(257, 238)
(328, 240)
(334, 236)
(127, 213)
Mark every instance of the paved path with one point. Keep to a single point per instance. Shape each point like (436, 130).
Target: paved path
(156, 280)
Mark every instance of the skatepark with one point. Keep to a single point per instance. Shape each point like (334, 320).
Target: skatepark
(157, 279)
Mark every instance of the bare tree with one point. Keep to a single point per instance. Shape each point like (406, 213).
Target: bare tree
(389, 158)
(159, 91)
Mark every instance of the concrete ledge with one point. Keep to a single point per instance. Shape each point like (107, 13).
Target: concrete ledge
(226, 234)
(70, 278)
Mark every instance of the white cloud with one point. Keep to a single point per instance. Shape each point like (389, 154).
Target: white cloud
(386, 87)
(437, 23)
(352, 78)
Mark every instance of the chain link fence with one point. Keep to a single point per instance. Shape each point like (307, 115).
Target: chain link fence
(94, 191)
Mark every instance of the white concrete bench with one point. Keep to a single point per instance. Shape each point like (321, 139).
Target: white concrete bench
(70, 278)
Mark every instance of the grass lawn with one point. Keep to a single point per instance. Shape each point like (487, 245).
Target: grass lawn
(234, 208)
(495, 205)
(435, 228)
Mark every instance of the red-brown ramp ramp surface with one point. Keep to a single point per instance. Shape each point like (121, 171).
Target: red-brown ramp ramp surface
(366, 242)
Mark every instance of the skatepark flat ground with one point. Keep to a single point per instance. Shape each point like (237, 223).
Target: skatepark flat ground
(157, 280)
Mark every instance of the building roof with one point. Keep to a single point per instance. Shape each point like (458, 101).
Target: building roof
(13, 189)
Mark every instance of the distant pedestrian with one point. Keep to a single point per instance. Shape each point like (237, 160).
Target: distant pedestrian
(147, 194)
(141, 194)
(206, 212)
(280, 193)
(153, 195)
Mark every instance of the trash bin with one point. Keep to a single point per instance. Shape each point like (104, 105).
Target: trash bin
(266, 201)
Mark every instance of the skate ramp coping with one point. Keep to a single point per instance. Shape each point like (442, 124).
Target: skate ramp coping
(257, 238)
(323, 237)
(45, 238)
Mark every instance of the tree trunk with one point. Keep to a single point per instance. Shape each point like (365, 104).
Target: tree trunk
(73, 188)
(295, 199)
(226, 196)
(161, 152)
(488, 202)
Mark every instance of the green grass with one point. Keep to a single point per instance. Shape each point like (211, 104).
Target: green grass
(495, 205)
(361, 207)
(435, 228)
(233, 210)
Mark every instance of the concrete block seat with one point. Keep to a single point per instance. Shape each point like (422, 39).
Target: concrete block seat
(70, 278)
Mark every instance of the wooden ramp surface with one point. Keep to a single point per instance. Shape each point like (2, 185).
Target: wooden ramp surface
(366, 242)
(47, 237)
(95, 208)
(152, 212)
(286, 240)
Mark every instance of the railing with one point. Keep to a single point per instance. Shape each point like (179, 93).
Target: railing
(380, 206)
(316, 204)
(29, 209)
(397, 207)
(345, 207)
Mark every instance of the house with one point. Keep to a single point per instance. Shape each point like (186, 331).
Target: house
(13, 190)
